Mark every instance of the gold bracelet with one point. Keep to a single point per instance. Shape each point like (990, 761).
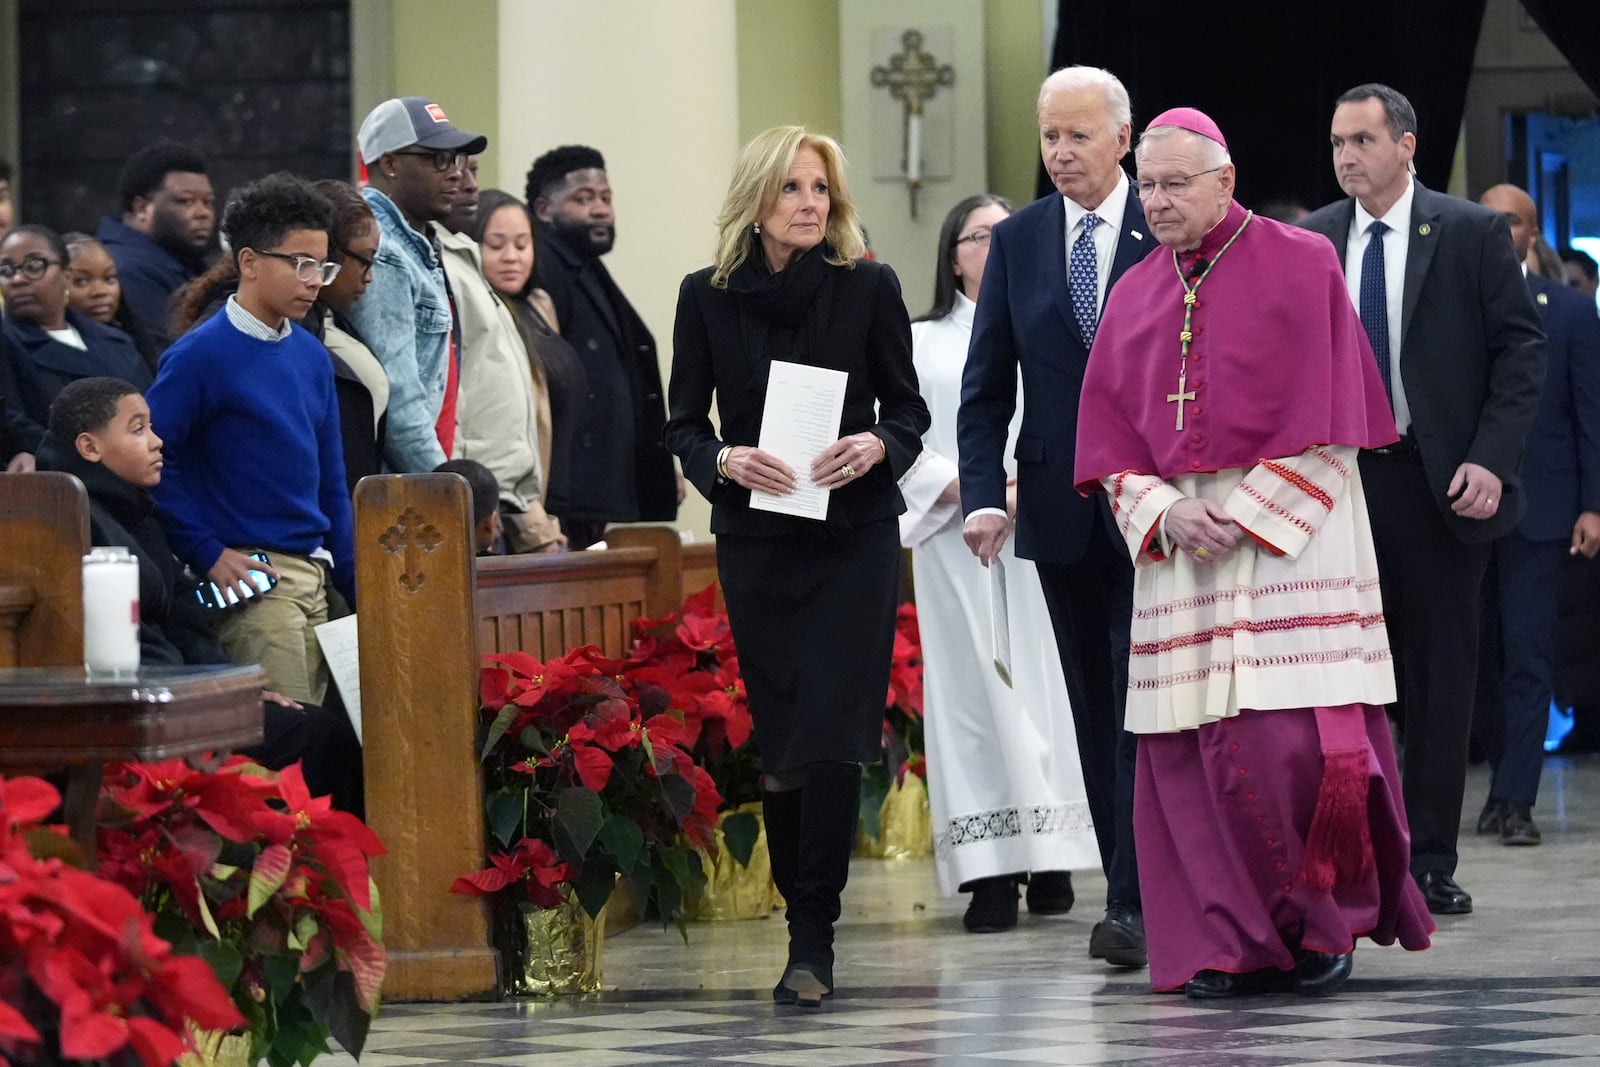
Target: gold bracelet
(722, 463)
(883, 448)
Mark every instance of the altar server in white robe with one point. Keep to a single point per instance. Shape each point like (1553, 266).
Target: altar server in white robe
(1004, 782)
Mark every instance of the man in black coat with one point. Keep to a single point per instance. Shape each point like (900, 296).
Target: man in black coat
(1050, 268)
(100, 433)
(618, 470)
(1562, 480)
(1459, 346)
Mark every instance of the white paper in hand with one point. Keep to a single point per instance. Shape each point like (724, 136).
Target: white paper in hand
(339, 648)
(1000, 621)
(799, 420)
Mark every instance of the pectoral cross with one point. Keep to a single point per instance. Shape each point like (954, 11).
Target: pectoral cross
(1181, 395)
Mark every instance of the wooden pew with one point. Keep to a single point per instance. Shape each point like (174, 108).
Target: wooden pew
(424, 626)
(44, 531)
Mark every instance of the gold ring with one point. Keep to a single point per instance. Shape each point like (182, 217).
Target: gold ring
(848, 471)
(1201, 553)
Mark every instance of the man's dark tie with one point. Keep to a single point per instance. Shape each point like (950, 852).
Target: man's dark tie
(1375, 304)
(1085, 280)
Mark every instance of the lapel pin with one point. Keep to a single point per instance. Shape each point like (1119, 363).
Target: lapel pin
(1424, 229)
(1543, 298)
(1137, 236)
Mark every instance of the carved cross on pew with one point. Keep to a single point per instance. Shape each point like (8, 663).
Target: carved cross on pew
(911, 77)
(413, 535)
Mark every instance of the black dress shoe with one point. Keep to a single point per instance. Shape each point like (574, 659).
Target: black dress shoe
(1517, 828)
(993, 907)
(1217, 985)
(1444, 897)
(1317, 973)
(1119, 937)
(1494, 814)
(1050, 893)
(804, 984)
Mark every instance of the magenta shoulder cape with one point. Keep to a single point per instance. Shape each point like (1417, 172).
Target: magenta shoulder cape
(1279, 361)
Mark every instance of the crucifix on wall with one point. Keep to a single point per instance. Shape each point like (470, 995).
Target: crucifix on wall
(912, 77)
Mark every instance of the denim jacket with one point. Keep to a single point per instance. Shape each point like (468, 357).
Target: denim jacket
(404, 317)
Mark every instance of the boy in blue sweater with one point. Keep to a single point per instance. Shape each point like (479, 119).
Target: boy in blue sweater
(254, 463)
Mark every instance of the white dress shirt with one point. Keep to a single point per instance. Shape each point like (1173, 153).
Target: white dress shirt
(1395, 246)
(1105, 235)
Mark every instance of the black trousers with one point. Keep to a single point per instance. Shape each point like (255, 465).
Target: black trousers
(1091, 608)
(1432, 600)
(324, 742)
(1516, 672)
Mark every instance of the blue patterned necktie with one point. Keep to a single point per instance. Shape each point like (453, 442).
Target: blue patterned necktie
(1375, 303)
(1085, 280)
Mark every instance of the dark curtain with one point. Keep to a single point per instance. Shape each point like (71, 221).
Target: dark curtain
(1573, 26)
(1269, 71)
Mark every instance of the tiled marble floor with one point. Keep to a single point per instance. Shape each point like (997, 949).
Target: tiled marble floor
(1518, 982)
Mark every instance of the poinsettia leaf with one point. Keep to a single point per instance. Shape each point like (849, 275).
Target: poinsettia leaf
(622, 840)
(874, 788)
(533, 741)
(579, 816)
(504, 808)
(14, 1025)
(225, 959)
(45, 843)
(206, 918)
(372, 918)
(739, 833)
(497, 729)
(155, 1044)
(346, 1020)
(267, 876)
(680, 796)
(641, 884)
(593, 890)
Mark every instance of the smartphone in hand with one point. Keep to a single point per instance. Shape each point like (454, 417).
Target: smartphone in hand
(213, 596)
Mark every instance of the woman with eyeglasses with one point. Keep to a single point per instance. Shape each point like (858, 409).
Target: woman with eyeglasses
(994, 746)
(44, 343)
(359, 379)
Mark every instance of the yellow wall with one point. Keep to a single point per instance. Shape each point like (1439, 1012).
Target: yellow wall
(788, 65)
(1013, 45)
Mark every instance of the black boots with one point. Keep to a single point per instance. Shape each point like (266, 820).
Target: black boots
(811, 832)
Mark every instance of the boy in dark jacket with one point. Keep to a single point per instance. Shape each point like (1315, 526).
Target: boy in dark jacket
(100, 432)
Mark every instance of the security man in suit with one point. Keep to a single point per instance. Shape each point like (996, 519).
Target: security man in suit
(1561, 477)
(1439, 289)
(1050, 267)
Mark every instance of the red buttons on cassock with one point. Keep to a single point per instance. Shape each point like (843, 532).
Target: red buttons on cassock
(1280, 865)
(1287, 888)
(1242, 772)
(1196, 410)
(1194, 463)
(1270, 842)
(1235, 748)
(1195, 438)
(1252, 796)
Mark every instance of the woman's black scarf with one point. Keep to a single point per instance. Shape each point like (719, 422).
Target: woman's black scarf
(784, 298)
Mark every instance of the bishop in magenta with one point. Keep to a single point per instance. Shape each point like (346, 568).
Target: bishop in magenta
(1228, 392)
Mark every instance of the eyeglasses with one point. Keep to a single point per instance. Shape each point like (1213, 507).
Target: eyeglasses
(443, 159)
(366, 264)
(32, 268)
(977, 237)
(306, 268)
(1172, 186)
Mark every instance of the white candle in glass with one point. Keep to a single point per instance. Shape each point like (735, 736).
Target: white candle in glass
(110, 611)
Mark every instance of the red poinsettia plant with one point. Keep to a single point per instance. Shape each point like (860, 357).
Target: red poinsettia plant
(85, 976)
(270, 886)
(903, 748)
(588, 778)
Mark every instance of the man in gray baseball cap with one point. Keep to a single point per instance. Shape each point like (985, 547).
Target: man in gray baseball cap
(414, 157)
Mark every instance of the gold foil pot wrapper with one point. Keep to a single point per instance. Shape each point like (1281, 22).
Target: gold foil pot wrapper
(905, 824)
(554, 951)
(217, 1049)
(732, 891)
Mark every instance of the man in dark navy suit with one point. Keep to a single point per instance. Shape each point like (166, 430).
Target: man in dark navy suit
(1439, 290)
(1050, 267)
(1561, 477)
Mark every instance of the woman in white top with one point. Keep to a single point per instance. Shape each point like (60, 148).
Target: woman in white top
(1003, 775)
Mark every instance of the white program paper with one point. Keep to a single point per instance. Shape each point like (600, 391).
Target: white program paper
(1000, 621)
(339, 648)
(799, 420)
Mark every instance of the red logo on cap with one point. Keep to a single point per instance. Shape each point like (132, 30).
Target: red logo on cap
(437, 112)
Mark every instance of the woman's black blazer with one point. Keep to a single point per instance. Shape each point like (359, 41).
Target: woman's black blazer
(867, 335)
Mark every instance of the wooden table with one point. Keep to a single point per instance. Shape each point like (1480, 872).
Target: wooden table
(54, 717)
